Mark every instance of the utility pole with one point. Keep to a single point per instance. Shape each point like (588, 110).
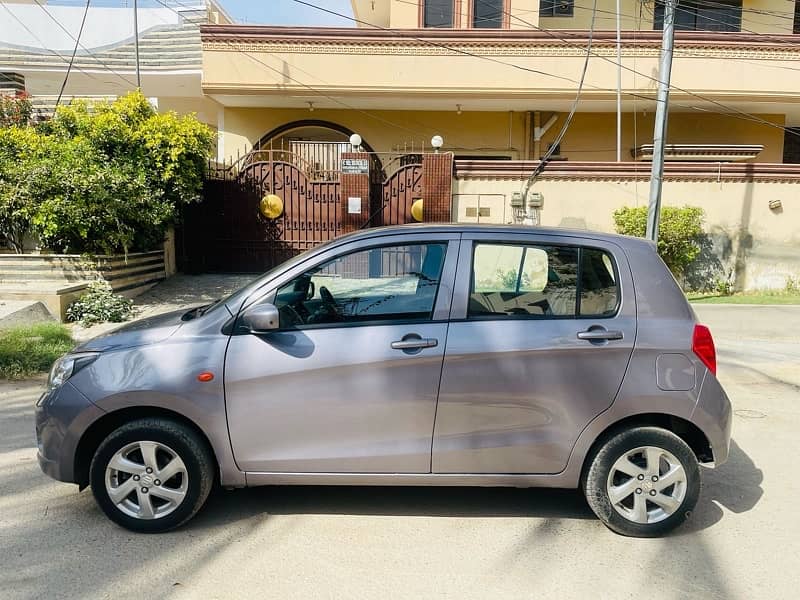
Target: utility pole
(136, 42)
(660, 130)
(619, 87)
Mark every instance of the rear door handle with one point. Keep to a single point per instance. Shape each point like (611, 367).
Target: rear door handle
(599, 334)
(415, 343)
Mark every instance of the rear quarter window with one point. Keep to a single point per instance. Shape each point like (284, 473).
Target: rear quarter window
(542, 281)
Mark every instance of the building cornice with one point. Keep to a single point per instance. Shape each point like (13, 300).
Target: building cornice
(628, 171)
(221, 37)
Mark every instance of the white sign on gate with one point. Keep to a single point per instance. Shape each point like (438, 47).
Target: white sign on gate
(354, 206)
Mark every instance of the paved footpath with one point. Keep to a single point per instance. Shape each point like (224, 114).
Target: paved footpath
(742, 543)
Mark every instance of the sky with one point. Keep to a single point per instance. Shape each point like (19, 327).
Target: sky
(288, 12)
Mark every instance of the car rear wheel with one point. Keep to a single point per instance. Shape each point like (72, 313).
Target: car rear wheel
(643, 482)
(152, 475)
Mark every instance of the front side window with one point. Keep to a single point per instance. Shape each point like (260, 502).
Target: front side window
(541, 282)
(487, 14)
(702, 15)
(556, 8)
(437, 13)
(379, 284)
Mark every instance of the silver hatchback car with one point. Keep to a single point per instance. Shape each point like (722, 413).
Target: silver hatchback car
(452, 355)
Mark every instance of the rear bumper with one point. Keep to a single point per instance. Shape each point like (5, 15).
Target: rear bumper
(714, 416)
(62, 415)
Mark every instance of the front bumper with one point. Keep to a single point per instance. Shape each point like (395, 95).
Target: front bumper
(62, 416)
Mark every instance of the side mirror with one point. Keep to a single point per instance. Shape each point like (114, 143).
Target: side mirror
(261, 319)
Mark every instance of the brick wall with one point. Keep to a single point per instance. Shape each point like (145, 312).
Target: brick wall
(354, 186)
(437, 180)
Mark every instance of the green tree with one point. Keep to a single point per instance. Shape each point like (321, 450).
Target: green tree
(679, 235)
(104, 177)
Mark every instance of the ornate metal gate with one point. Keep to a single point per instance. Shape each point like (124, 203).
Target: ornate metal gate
(227, 232)
(400, 189)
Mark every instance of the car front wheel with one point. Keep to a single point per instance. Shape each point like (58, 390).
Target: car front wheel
(152, 475)
(643, 482)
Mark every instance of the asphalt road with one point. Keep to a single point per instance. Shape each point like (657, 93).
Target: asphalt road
(742, 542)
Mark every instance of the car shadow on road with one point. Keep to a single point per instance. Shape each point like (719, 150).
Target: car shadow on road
(397, 501)
(736, 486)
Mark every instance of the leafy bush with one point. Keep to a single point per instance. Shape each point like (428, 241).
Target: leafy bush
(32, 349)
(100, 305)
(100, 178)
(679, 234)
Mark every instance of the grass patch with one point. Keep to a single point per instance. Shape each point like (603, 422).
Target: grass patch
(28, 350)
(748, 298)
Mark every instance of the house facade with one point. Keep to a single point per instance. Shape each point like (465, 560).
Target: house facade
(496, 81)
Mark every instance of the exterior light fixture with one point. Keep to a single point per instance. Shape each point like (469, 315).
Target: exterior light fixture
(458, 109)
(437, 142)
(355, 141)
(310, 107)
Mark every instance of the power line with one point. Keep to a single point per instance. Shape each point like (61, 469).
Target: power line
(74, 52)
(739, 113)
(551, 150)
(65, 30)
(38, 39)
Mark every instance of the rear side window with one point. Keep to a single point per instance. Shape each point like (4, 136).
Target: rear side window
(539, 281)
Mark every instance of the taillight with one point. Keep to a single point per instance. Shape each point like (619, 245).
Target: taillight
(703, 347)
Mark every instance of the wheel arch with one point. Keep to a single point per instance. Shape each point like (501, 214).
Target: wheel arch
(102, 427)
(684, 429)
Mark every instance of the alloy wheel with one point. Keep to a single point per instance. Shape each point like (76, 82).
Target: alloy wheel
(146, 480)
(646, 484)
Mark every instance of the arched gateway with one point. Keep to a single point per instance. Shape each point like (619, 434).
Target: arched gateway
(316, 186)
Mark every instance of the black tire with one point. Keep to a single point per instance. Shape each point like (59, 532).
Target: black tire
(193, 451)
(596, 476)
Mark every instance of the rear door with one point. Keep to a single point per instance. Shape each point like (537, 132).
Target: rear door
(541, 332)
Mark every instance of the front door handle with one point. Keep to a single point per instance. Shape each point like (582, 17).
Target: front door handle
(415, 343)
(594, 335)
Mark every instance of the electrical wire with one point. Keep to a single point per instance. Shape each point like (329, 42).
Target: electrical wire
(736, 112)
(95, 58)
(38, 39)
(74, 52)
(551, 150)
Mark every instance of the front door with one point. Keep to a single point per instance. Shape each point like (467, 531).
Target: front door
(349, 382)
(543, 328)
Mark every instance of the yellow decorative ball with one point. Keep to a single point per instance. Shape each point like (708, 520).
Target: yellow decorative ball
(416, 209)
(271, 206)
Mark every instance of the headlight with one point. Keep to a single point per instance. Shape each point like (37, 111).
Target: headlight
(66, 366)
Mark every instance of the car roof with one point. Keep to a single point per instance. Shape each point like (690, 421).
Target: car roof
(622, 240)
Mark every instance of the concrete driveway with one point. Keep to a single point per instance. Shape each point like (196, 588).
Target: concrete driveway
(742, 542)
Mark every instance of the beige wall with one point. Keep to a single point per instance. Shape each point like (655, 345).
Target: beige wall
(759, 245)
(590, 137)
(636, 15)
(385, 131)
(404, 14)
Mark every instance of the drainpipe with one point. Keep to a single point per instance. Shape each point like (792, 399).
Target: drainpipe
(526, 148)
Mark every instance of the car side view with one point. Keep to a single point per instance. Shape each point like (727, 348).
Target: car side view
(454, 355)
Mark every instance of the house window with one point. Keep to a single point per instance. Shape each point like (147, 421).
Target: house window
(791, 145)
(438, 13)
(556, 8)
(487, 14)
(796, 28)
(703, 15)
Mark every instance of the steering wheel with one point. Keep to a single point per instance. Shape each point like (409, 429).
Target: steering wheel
(329, 309)
(327, 298)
